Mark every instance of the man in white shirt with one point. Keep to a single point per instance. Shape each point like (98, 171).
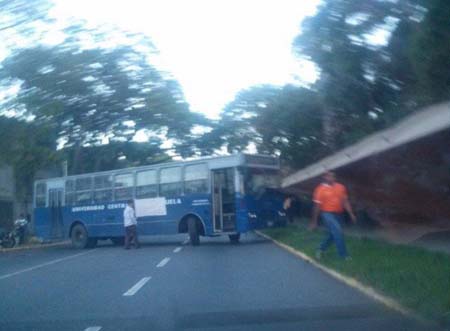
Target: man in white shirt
(129, 221)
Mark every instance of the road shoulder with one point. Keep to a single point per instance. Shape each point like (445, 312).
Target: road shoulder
(34, 246)
(352, 282)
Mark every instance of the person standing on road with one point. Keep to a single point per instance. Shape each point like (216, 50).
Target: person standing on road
(130, 223)
(330, 200)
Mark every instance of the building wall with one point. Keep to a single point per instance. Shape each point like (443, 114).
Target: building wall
(407, 185)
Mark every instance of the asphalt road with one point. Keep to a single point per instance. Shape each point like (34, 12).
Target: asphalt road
(168, 285)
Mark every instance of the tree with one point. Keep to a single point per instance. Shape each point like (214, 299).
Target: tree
(336, 40)
(429, 54)
(91, 94)
(275, 120)
(88, 96)
(115, 155)
(28, 148)
(364, 85)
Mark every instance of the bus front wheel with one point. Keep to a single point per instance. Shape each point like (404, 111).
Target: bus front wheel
(80, 239)
(193, 231)
(234, 238)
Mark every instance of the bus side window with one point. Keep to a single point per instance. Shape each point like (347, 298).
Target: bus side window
(41, 190)
(84, 190)
(196, 179)
(103, 188)
(146, 184)
(170, 182)
(70, 192)
(123, 186)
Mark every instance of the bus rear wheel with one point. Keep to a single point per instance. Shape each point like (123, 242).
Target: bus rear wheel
(234, 238)
(80, 239)
(193, 231)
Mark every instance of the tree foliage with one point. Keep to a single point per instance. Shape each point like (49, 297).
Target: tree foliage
(377, 60)
(88, 95)
(115, 155)
(28, 148)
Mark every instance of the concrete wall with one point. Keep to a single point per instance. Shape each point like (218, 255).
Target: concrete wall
(408, 185)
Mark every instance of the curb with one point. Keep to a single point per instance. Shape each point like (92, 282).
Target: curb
(20, 248)
(352, 282)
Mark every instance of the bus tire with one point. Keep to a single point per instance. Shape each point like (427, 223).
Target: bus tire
(193, 231)
(118, 241)
(79, 236)
(234, 238)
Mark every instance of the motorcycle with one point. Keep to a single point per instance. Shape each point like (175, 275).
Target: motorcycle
(7, 239)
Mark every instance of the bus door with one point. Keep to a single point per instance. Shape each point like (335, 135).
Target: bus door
(55, 198)
(224, 204)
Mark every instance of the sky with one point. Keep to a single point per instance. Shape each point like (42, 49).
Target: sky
(213, 48)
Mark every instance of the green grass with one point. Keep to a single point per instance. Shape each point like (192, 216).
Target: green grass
(417, 278)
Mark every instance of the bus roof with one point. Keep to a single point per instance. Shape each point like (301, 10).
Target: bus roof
(214, 162)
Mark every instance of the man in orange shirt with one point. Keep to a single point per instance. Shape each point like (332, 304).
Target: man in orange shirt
(330, 201)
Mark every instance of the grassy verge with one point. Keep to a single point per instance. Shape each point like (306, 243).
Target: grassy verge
(415, 277)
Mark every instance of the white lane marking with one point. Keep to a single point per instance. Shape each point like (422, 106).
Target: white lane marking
(43, 265)
(136, 287)
(93, 328)
(176, 250)
(186, 241)
(163, 262)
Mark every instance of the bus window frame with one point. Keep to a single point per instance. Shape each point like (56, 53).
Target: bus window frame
(156, 170)
(133, 186)
(247, 172)
(72, 192)
(103, 189)
(91, 191)
(207, 179)
(180, 182)
(44, 195)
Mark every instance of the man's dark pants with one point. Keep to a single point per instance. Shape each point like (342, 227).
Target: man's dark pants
(131, 235)
(332, 222)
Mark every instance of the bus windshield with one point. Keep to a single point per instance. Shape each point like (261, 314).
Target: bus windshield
(257, 180)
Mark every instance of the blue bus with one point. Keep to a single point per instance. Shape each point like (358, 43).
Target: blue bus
(226, 195)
